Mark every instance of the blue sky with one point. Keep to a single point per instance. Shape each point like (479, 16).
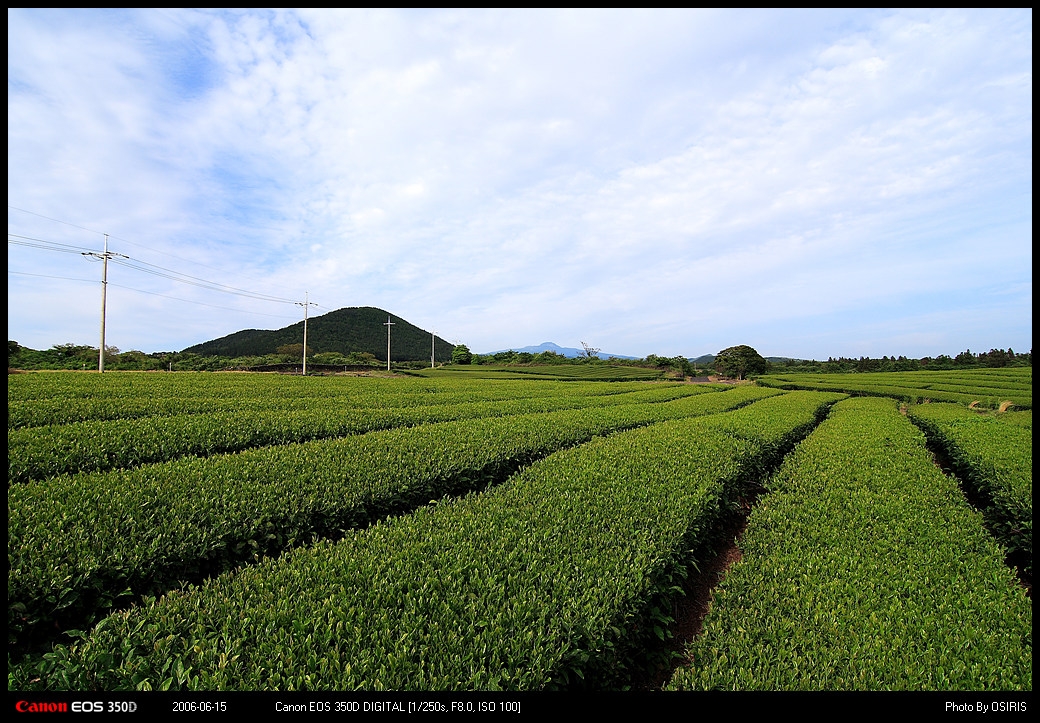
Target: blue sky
(811, 183)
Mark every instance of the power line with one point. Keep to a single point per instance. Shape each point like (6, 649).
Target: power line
(47, 276)
(201, 283)
(152, 293)
(56, 220)
(132, 243)
(43, 244)
(200, 303)
(153, 269)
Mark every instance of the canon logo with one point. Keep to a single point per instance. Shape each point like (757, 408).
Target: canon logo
(43, 706)
(50, 706)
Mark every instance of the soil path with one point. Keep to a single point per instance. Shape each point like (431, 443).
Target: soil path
(691, 608)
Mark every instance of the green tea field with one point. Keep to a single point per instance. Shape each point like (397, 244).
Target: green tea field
(449, 532)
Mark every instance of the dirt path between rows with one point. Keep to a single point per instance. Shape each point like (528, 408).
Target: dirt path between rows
(693, 606)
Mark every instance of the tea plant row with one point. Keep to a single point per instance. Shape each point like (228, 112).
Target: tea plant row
(36, 453)
(864, 569)
(80, 398)
(554, 579)
(988, 387)
(993, 454)
(79, 543)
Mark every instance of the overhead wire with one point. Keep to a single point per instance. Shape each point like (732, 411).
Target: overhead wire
(195, 281)
(116, 238)
(154, 269)
(48, 276)
(200, 303)
(143, 267)
(48, 245)
(151, 293)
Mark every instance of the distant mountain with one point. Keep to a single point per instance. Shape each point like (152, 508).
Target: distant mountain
(568, 352)
(351, 329)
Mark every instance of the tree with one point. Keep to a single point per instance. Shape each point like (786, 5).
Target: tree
(997, 358)
(329, 357)
(590, 352)
(679, 363)
(549, 357)
(683, 365)
(293, 350)
(739, 361)
(361, 358)
(461, 354)
(965, 358)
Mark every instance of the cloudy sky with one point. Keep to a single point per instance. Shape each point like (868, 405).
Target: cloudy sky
(810, 183)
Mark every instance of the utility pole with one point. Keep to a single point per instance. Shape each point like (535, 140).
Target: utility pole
(388, 324)
(104, 288)
(305, 303)
(433, 347)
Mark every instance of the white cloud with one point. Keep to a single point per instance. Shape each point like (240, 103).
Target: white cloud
(668, 179)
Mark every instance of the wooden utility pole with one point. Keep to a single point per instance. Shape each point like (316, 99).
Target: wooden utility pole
(305, 303)
(388, 324)
(104, 288)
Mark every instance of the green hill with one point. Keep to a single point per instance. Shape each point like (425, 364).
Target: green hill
(352, 329)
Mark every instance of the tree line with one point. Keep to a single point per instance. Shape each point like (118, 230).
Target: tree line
(73, 356)
(462, 355)
(994, 358)
(737, 362)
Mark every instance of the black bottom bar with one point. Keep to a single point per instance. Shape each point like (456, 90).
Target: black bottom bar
(505, 705)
